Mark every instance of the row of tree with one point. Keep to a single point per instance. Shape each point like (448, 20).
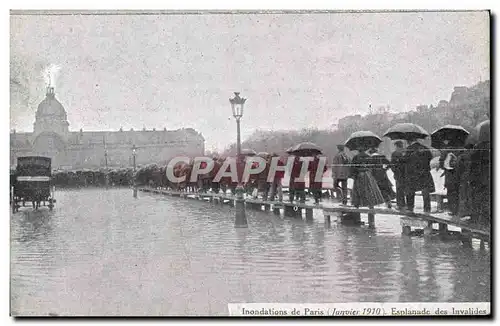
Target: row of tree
(151, 174)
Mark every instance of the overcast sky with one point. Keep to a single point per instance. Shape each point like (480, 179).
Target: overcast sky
(296, 70)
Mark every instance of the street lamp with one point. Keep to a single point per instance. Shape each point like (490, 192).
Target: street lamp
(134, 154)
(106, 164)
(237, 104)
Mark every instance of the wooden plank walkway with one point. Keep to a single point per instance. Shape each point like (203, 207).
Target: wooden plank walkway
(440, 218)
(418, 220)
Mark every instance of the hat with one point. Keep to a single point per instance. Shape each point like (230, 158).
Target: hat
(398, 143)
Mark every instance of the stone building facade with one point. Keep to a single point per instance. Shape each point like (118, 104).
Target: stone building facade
(72, 150)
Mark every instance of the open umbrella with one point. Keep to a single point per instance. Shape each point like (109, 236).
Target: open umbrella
(305, 148)
(455, 135)
(483, 132)
(406, 131)
(362, 140)
(248, 152)
(263, 154)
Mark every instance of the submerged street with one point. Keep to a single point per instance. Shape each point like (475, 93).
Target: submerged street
(102, 252)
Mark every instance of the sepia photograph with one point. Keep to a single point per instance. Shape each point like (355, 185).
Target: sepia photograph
(266, 163)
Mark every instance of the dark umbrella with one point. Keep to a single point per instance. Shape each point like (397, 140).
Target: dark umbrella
(248, 152)
(362, 140)
(456, 135)
(471, 139)
(483, 132)
(406, 131)
(305, 148)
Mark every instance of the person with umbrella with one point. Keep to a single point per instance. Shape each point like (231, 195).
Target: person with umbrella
(463, 171)
(177, 171)
(398, 167)
(276, 185)
(297, 184)
(380, 164)
(186, 171)
(224, 182)
(250, 185)
(450, 140)
(447, 162)
(365, 191)
(340, 173)
(215, 186)
(261, 178)
(418, 174)
(480, 175)
(314, 171)
(417, 160)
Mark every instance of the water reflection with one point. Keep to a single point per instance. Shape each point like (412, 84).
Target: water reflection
(33, 225)
(468, 274)
(409, 272)
(164, 256)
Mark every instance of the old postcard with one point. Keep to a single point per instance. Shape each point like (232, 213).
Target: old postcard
(267, 163)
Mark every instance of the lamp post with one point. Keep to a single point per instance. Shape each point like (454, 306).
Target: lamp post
(106, 164)
(237, 104)
(134, 153)
(105, 161)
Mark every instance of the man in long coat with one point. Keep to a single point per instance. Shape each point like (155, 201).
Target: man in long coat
(340, 173)
(398, 167)
(297, 187)
(480, 178)
(276, 185)
(451, 177)
(464, 171)
(217, 165)
(316, 186)
(262, 185)
(418, 174)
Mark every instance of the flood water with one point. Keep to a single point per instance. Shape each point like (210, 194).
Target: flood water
(105, 253)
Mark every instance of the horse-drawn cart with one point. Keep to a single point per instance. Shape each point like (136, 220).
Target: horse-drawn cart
(32, 182)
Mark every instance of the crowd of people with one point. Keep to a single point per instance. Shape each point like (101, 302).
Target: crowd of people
(258, 184)
(466, 173)
(466, 169)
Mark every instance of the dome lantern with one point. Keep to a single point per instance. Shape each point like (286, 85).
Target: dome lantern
(50, 106)
(50, 92)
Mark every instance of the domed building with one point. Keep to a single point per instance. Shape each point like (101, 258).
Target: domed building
(72, 150)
